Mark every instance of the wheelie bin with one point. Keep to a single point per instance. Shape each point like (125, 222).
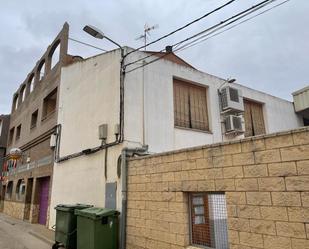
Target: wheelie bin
(65, 232)
(97, 228)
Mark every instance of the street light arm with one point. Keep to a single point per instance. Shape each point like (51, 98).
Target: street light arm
(113, 42)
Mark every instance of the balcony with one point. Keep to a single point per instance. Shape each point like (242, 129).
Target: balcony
(20, 168)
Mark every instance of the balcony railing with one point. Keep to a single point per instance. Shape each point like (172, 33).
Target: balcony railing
(29, 166)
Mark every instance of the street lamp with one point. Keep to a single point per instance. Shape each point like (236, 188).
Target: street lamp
(96, 33)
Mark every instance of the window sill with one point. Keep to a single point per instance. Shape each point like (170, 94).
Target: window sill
(194, 130)
(32, 127)
(48, 116)
(199, 247)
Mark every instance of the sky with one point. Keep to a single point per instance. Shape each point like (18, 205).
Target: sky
(268, 53)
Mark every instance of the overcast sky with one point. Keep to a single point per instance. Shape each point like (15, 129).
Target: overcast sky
(269, 53)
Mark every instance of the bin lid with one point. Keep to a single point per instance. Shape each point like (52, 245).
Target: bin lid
(96, 212)
(71, 207)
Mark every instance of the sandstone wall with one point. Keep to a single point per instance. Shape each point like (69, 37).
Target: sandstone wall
(265, 180)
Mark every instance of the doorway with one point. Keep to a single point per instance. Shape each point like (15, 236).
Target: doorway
(43, 199)
(2, 196)
(28, 199)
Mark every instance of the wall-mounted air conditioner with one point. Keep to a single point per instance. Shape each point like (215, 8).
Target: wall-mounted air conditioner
(231, 100)
(233, 124)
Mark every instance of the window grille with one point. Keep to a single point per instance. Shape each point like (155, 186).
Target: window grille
(208, 220)
(234, 94)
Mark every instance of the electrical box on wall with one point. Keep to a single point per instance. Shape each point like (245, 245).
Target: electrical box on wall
(231, 100)
(53, 141)
(103, 132)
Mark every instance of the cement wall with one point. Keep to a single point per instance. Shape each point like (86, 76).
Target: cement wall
(93, 86)
(89, 97)
(149, 107)
(265, 180)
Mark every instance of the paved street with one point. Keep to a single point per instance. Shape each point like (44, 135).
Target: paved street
(15, 234)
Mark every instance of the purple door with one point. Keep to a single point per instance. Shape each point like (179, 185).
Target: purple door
(44, 191)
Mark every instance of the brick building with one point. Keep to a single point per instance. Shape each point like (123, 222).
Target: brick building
(4, 128)
(27, 183)
(247, 194)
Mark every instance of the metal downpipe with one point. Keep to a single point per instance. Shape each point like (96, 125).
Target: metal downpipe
(124, 184)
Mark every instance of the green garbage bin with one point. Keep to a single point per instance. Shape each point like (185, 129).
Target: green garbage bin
(97, 228)
(65, 234)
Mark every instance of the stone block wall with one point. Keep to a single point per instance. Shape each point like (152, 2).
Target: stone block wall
(14, 209)
(265, 180)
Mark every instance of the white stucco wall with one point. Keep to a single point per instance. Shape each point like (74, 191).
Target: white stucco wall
(160, 133)
(89, 97)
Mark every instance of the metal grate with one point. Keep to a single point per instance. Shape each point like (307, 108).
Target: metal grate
(228, 124)
(237, 123)
(224, 98)
(234, 95)
(209, 220)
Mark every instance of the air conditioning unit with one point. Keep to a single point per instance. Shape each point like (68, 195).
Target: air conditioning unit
(231, 100)
(233, 124)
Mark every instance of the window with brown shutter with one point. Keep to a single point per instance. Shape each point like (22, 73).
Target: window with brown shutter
(254, 119)
(190, 106)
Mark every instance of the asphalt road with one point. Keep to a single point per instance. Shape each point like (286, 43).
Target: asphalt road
(17, 236)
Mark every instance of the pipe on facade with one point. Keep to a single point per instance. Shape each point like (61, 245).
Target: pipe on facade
(124, 184)
(119, 138)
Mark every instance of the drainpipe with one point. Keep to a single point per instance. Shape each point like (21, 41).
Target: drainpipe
(126, 152)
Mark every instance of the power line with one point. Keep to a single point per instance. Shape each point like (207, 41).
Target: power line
(243, 13)
(257, 6)
(193, 43)
(87, 44)
(183, 27)
(240, 14)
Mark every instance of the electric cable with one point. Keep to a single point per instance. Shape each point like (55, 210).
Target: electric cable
(87, 44)
(193, 43)
(263, 3)
(241, 15)
(183, 27)
(183, 47)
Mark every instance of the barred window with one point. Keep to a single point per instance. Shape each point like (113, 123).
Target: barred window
(208, 220)
(190, 106)
(254, 120)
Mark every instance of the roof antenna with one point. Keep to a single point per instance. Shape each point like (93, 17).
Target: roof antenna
(147, 30)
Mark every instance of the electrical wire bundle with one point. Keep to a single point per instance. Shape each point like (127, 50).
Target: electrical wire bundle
(217, 29)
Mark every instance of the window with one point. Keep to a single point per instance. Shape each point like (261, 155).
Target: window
(41, 70)
(11, 135)
(18, 131)
(306, 122)
(54, 55)
(190, 106)
(20, 189)
(9, 190)
(34, 119)
(208, 220)
(23, 93)
(254, 120)
(15, 102)
(31, 83)
(49, 104)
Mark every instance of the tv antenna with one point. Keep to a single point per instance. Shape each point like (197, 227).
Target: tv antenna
(147, 30)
